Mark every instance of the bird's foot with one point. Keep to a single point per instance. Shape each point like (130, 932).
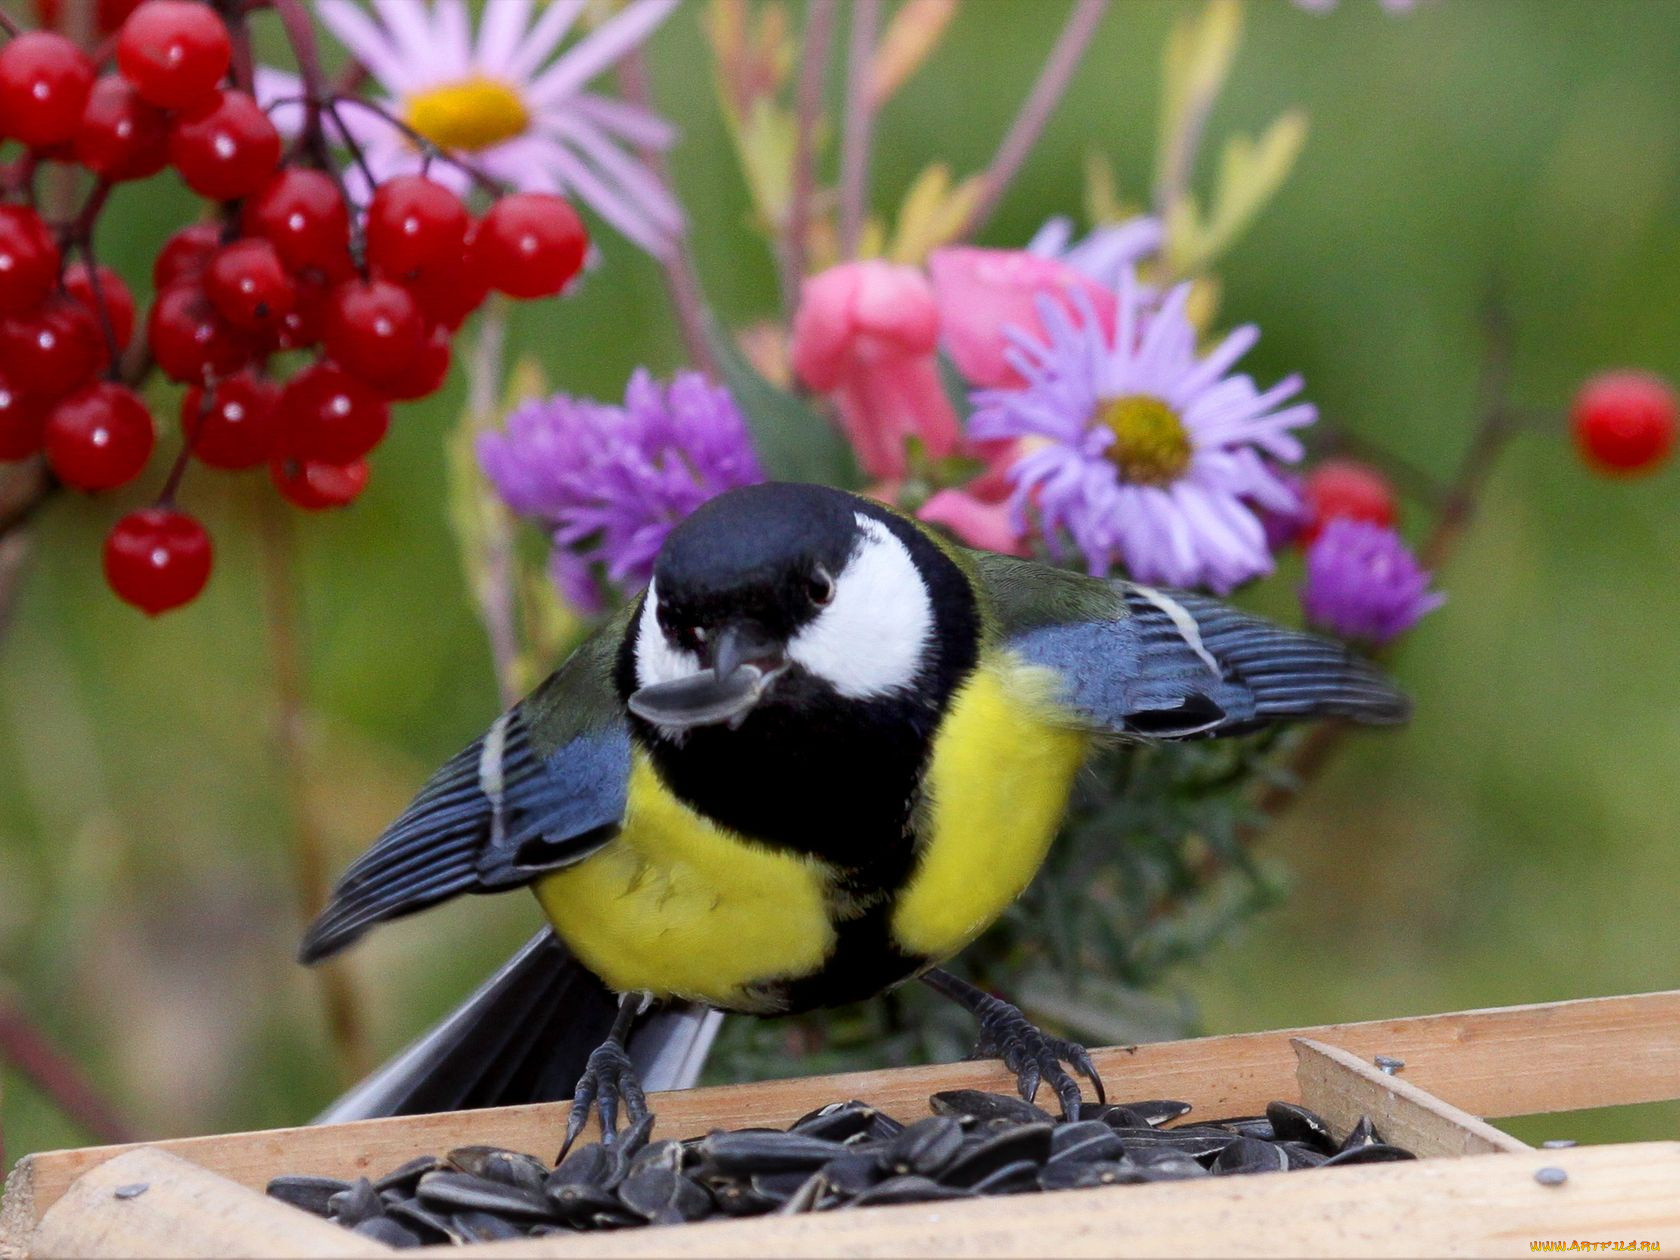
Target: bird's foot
(608, 1080)
(1035, 1056)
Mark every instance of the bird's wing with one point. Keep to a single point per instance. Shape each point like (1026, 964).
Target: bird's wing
(543, 788)
(1167, 664)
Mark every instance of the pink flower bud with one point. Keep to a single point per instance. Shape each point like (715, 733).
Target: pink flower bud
(866, 333)
(981, 292)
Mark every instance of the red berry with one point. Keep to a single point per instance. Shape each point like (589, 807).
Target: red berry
(1346, 487)
(300, 327)
(23, 419)
(157, 559)
(99, 437)
(174, 52)
(54, 349)
(303, 214)
(238, 426)
(108, 14)
(424, 376)
(373, 328)
(451, 288)
(118, 301)
(190, 341)
(44, 84)
(1624, 422)
(186, 255)
(28, 260)
(328, 415)
(120, 136)
(411, 222)
(531, 244)
(248, 285)
(315, 486)
(225, 148)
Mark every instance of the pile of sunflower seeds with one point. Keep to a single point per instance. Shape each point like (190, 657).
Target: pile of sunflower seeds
(844, 1155)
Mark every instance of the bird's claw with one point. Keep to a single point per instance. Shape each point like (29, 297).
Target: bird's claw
(1035, 1056)
(608, 1079)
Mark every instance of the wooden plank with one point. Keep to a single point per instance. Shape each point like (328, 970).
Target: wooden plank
(1507, 1061)
(1480, 1206)
(183, 1211)
(1342, 1087)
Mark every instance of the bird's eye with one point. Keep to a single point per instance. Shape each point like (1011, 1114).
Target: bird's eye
(820, 587)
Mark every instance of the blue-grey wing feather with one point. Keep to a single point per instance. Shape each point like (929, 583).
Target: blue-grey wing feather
(495, 816)
(1168, 664)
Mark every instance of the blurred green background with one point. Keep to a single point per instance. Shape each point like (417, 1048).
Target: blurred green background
(1517, 843)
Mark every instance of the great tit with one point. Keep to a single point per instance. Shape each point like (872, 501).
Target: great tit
(822, 752)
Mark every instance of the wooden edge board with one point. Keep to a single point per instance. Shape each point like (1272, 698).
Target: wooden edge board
(1505, 1061)
(1341, 1088)
(151, 1203)
(1459, 1207)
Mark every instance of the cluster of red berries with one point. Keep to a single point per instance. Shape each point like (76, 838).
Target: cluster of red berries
(364, 302)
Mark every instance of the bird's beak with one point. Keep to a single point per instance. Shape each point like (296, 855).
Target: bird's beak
(745, 661)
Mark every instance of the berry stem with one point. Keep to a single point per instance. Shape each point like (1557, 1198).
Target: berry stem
(485, 181)
(55, 1074)
(9, 25)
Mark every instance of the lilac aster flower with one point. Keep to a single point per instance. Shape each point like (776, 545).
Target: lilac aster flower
(1363, 585)
(1106, 253)
(1141, 450)
(610, 482)
(509, 98)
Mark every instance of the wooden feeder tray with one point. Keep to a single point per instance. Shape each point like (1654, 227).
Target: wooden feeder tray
(1474, 1192)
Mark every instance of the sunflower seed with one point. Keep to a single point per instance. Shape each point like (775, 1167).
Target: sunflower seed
(385, 1230)
(1550, 1176)
(978, 1107)
(312, 1194)
(1244, 1126)
(806, 1197)
(1159, 1111)
(431, 1226)
(1028, 1143)
(586, 1166)
(577, 1203)
(1375, 1153)
(353, 1206)
(1297, 1124)
(1362, 1134)
(404, 1177)
(479, 1226)
(1010, 1179)
(494, 1164)
(924, 1148)
(1084, 1142)
(738, 1198)
(133, 1190)
(1250, 1155)
(463, 1192)
(749, 1152)
(837, 1122)
(1302, 1155)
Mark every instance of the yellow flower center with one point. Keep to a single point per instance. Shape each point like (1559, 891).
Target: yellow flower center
(470, 115)
(1150, 443)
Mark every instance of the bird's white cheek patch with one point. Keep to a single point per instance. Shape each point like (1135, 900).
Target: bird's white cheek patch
(657, 658)
(870, 640)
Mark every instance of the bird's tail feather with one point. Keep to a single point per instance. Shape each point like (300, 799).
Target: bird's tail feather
(525, 1036)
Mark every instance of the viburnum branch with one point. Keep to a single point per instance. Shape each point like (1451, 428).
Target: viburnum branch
(813, 68)
(682, 282)
(1041, 102)
(9, 25)
(859, 126)
(31, 1053)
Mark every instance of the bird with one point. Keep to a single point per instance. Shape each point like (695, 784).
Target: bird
(816, 757)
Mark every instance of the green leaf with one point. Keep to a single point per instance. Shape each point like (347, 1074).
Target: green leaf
(794, 442)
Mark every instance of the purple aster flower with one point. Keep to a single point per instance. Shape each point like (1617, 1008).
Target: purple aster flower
(1362, 584)
(1106, 252)
(610, 482)
(1141, 450)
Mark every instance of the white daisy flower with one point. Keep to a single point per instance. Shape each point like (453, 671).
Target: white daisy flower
(509, 101)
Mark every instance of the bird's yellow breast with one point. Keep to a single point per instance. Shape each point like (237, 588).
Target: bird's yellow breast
(997, 784)
(677, 906)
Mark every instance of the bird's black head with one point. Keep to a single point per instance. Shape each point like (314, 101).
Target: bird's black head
(782, 595)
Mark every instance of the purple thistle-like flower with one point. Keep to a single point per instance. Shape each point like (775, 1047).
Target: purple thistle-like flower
(610, 482)
(1363, 584)
(1141, 450)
